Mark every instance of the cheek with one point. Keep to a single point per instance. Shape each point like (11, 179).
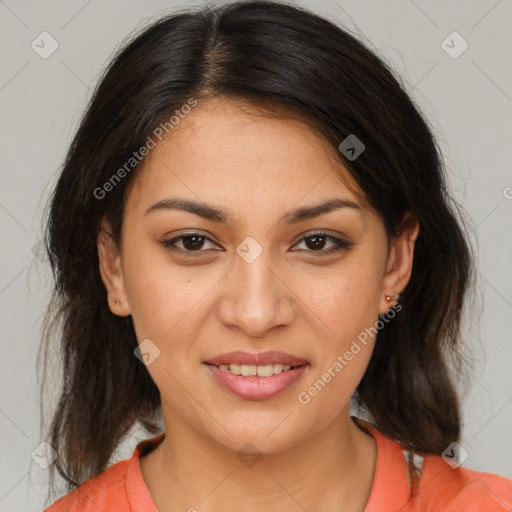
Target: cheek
(348, 307)
(165, 307)
(162, 311)
(347, 300)
(162, 296)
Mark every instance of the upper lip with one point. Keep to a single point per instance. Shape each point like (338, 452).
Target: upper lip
(257, 359)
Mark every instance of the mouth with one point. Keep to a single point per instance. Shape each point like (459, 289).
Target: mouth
(256, 376)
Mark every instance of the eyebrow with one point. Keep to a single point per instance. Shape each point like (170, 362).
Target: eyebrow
(212, 213)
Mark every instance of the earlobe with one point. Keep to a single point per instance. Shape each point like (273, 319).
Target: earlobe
(399, 264)
(111, 271)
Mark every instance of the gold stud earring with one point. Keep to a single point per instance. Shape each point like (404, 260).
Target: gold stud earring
(389, 298)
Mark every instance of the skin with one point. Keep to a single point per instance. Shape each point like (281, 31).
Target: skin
(289, 299)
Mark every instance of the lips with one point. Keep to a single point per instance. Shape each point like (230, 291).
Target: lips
(288, 369)
(256, 359)
(255, 387)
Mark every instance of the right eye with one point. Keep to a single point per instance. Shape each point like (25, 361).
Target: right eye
(190, 243)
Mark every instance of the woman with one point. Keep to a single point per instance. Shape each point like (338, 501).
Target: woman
(250, 229)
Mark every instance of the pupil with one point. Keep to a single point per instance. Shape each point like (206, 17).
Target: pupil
(317, 238)
(193, 245)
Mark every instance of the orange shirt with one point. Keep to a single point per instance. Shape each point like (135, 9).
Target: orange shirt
(441, 488)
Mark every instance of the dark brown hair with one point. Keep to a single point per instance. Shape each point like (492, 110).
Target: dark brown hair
(284, 59)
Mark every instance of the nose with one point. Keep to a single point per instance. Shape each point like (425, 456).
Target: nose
(255, 298)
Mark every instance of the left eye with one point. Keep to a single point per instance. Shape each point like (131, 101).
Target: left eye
(315, 242)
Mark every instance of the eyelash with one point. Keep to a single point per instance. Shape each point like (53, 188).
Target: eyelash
(339, 244)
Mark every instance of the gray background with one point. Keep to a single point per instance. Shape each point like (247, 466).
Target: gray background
(467, 99)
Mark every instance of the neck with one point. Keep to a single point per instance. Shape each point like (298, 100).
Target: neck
(334, 468)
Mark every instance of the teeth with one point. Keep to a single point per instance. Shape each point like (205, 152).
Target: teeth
(251, 370)
(235, 368)
(265, 371)
(248, 370)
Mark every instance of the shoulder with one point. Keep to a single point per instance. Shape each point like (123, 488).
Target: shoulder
(105, 492)
(436, 484)
(120, 488)
(417, 482)
(460, 488)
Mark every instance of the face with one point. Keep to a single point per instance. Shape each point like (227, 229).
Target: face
(251, 271)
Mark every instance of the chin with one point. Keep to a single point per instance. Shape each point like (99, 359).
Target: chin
(266, 437)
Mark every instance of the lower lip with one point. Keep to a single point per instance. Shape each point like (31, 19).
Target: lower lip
(256, 388)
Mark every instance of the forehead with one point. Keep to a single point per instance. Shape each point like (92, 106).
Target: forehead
(233, 153)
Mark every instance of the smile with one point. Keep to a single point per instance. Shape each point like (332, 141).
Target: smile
(257, 382)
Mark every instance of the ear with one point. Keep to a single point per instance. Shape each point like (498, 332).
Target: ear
(111, 271)
(399, 264)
